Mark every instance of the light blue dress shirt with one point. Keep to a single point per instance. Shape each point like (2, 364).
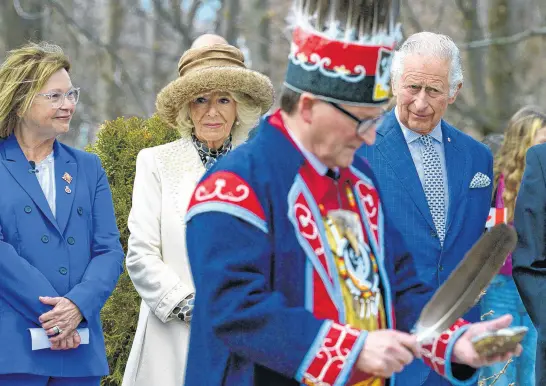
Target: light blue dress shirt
(416, 148)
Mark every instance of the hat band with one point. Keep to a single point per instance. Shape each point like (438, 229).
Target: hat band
(365, 91)
(347, 72)
(210, 62)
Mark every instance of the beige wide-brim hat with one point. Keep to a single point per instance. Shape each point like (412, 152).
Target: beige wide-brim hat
(219, 67)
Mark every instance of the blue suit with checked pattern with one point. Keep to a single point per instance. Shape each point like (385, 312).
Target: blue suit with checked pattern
(404, 200)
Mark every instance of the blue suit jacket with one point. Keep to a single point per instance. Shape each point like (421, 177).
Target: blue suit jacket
(405, 202)
(530, 254)
(76, 255)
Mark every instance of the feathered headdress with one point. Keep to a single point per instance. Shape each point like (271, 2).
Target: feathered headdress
(342, 49)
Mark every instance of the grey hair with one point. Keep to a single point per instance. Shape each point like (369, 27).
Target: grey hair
(248, 115)
(430, 44)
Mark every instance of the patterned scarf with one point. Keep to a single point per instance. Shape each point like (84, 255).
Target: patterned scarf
(210, 156)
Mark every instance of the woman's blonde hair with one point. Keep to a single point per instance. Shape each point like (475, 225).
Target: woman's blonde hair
(248, 114)
(24, 72)
(510, 160)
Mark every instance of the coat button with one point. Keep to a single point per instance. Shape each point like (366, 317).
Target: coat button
(28, 209)
(71, 240)
(434, 234)
(80, 210)
(45, 239)
(63, 271)
(441, 268)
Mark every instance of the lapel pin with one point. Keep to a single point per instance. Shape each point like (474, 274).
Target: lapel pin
(67, 177)
(448, 139)
(67, 189)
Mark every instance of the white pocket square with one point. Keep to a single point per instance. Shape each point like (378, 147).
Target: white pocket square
(480, 180)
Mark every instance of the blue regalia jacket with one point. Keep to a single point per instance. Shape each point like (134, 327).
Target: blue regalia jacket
(270, 306)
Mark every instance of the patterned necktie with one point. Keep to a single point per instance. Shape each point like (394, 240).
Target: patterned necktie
(434, 185)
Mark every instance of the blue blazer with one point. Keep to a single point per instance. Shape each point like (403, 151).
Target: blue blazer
(76, 254)
(405, 202)
(529, 257)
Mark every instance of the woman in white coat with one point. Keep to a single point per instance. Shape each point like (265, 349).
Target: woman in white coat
(214, 104)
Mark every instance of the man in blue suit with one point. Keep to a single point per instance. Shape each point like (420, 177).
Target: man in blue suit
(528, 258)
(435, 180)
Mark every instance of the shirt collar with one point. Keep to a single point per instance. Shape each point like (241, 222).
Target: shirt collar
(47, 160)
(310, 157)
(412, 136)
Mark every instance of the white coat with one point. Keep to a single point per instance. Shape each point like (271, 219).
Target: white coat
(165, 178)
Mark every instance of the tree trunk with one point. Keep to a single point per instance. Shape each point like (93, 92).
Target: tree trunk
(264, 35)
(69, 42)
(502, 88)
(114, 97)
(475, 57)
(220, 16)
(231, 19)
(257, 32)
(159, 74)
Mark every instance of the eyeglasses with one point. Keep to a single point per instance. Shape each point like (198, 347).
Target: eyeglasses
(362, 125)
(57, 99)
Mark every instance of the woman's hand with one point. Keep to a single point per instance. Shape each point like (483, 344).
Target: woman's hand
(61, 321)
(72, 341)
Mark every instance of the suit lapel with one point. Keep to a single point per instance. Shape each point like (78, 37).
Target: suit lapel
(66, 173)
(458, 171)
(18, 166)
(392, 145)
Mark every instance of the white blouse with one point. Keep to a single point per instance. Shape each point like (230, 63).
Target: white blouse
(45, 173)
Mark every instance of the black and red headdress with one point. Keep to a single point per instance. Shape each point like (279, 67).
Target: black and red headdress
(342, 50)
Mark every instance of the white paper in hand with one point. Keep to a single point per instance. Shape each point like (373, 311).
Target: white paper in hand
(40, 340)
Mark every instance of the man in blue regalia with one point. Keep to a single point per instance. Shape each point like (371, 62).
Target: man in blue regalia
(300, 276)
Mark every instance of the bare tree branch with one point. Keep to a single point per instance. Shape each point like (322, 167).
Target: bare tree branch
(464, 8)
(190, 20)
(412, 17)
(176, 13)
(92, 38)
(187, 38)
(440, 17)
(220, 16)
(474, 59)
(516, 38)
(28, 15)
(232, 27)
(500, 41)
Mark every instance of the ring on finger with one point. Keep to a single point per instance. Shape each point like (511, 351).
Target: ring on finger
(57, 330)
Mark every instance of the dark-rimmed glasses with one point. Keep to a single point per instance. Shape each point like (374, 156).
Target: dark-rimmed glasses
(362, 125)
(57, 98)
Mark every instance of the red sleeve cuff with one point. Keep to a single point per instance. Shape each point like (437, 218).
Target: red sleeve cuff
(332, 356)
(434, 355)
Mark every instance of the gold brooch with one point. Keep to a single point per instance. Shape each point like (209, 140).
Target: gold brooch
(67, 177)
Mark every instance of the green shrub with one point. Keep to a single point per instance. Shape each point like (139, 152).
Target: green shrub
(118, 144)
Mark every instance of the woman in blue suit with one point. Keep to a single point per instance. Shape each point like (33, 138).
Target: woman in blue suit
(60, 256)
